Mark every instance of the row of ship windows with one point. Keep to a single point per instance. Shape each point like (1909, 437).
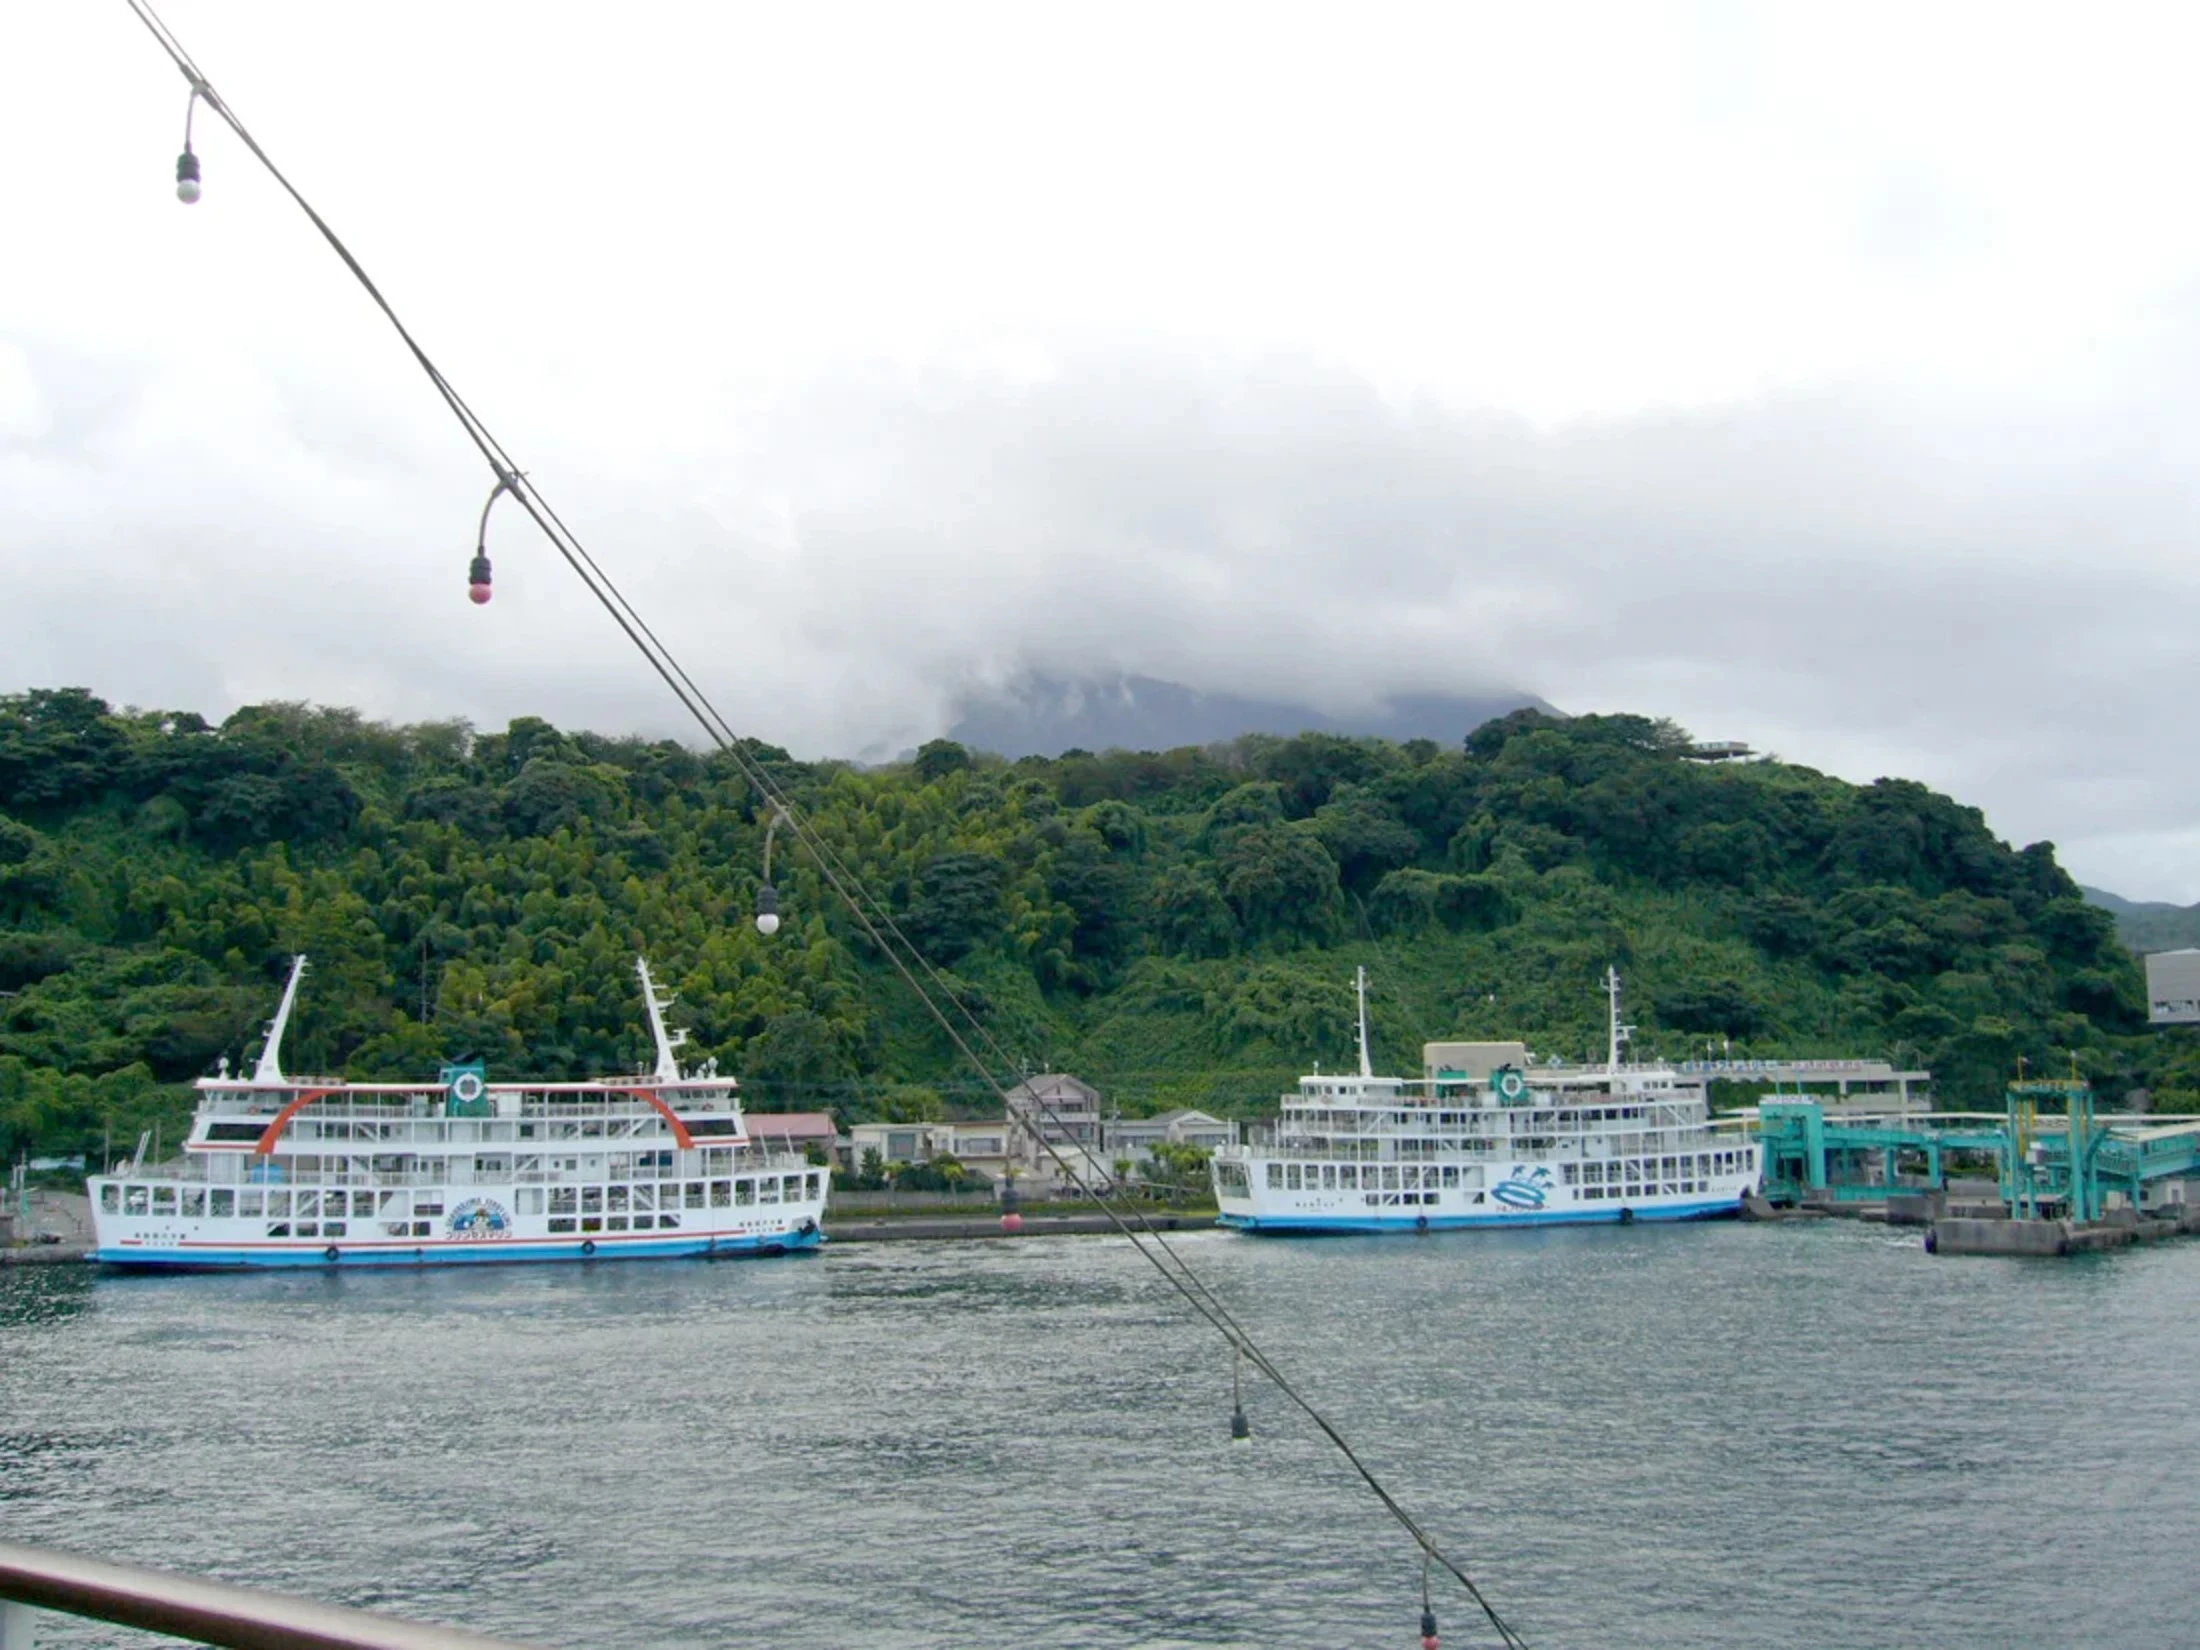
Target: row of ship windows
(1689, 1167)
(1482, 1146)
(1585, 1117)
(1350, 1177)
(695, 1194)
(252, 1203)
(278, 1203)
(426, 1228)
(651, 1126)
(488, 1165)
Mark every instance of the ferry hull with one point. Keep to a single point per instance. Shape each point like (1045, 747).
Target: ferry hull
(218, 1257)
(1309, 1225)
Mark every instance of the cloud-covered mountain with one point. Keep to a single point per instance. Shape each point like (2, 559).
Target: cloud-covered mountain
(1041, 715)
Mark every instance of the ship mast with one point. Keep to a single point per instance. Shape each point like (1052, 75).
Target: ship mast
(1619, 1033)
(668, 1063)
(270, 1067)
(1366, 1070)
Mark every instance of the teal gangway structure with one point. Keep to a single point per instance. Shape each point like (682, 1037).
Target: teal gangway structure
(2051, 1153)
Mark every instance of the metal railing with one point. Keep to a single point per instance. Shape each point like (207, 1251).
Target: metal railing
(34, 1579)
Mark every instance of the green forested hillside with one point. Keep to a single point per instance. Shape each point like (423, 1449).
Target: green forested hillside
(1179, 928)
(2149, 925)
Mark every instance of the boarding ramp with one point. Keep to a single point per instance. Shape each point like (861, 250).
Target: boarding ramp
(2075, 1165)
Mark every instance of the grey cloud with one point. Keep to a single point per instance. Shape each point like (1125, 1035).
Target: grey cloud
(1993, 600)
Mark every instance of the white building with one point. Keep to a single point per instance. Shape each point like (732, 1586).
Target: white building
(1060, 1109)
(1135, 1137)
(999, 1148)
(2173, 988)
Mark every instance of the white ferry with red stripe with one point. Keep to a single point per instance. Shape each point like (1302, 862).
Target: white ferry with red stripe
(309, 1171)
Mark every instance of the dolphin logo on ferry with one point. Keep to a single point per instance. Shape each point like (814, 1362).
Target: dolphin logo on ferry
(1524, 1188)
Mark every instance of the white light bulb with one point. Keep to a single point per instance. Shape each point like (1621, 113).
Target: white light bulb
(768, 923)
(187, 191)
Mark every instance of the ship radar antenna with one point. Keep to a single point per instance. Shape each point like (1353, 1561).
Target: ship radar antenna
(1366, 1070)
(1620, 1033)
(270, 1067)
(668, 1042)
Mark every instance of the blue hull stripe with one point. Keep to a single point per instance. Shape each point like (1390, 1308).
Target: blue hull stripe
(484, 1253)
(1285, 1224)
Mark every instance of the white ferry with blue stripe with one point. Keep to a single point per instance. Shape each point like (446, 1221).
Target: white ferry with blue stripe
(1484, 1138)
(284, 1171)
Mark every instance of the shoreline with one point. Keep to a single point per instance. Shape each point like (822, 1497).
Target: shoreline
(904, 1228)
(860, 1229)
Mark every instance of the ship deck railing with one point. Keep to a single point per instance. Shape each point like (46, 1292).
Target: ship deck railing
(37, 1580)
(397, 1102)
(1422, 1149)
(1499, 1137)
(283, 1171)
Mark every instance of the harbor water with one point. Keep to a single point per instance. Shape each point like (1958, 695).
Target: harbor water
(1799, 1434)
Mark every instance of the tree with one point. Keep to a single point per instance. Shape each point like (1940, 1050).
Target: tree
(1186, 914)
(797, 1052)
(1282, 884)
(57, 746)
(937, 758)
(1177, 1163)
(550, 795)
(960, 905)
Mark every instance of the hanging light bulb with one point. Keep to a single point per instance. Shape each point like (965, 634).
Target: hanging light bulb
(477, 573)
(187, 164)
(767, 897)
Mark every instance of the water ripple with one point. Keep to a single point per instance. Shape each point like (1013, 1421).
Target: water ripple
(1723, 1437)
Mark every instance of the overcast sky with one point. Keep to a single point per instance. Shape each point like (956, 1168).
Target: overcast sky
(1823, 378)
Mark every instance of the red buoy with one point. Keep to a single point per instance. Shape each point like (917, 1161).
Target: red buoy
(1012, 1223)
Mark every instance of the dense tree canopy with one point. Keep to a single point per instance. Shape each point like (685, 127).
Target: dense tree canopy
(1178, 927)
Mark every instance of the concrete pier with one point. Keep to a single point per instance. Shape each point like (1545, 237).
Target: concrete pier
(918, 1228)
(1951, 1236)
(44, 1254)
